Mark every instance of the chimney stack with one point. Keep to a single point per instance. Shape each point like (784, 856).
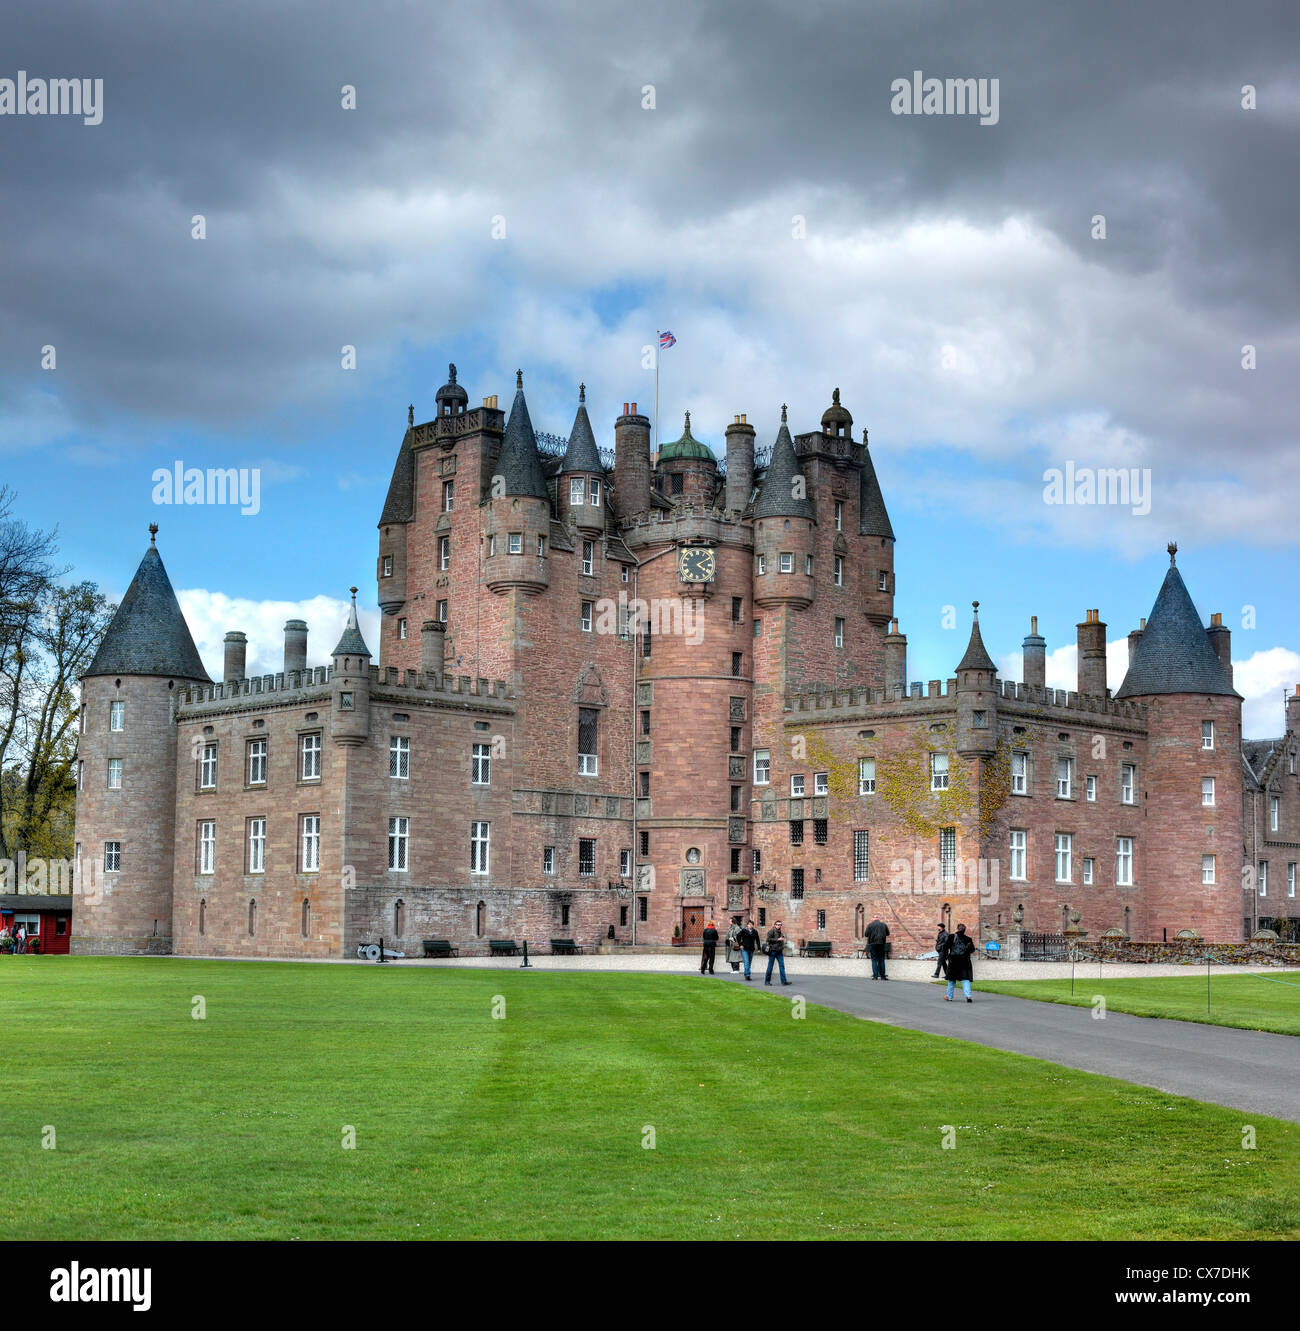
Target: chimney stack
(632, 461)
(895, 660)
(1092, 654)
(295, 645)
(432, 636)
(740, 464)
(1221, 641)
(236, 656)
(1035, 659)
(1134, 638)
(1293, 712)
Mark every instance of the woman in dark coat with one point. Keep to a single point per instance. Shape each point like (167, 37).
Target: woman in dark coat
(957, 963)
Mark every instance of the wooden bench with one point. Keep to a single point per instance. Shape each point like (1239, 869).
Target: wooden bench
(439, 947)
(503, 947)
(564, 947)
(815, 948)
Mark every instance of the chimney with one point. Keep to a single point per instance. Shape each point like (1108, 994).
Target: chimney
(895, 657)
(1221, 640)
(1092, 654)
(632, 461)
(295, 645)
(740, 464)
(432, 636)
(1293, 712)
(1035, 658)
(1134, 638)
(236, 655)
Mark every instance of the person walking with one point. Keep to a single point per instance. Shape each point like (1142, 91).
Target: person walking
(733, 943)
(22, 939)
(877, 933)
(710, 940)
(749, 944)
(958, 963)
(776, 951)
(940, 947)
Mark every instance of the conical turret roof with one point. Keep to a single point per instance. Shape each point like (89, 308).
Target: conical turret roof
(519, 463)
(777, 498)
(399, 504)
(976, 658)
(582, 453)
(352, 643)
(1174, 653)
(148, 635)
(873, 517)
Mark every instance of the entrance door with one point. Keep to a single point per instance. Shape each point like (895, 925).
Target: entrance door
(694, 918)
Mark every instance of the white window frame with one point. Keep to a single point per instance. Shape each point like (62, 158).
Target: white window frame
(1019, 780)
(399, 844)
(588, 611)
(821, 783)
(625, 863)
(515, 543)
(593, 490)
(1207, 870)
(1207, 734)
(762, 563)
(309, 756)
(444, 554)
(1290, 878)
(448, 496)
(1274, 812)
(1263, 878)
(208, 768)
(588, 558)
(1064, 784)
(399, 757)
(1064, 847)
(548, 859)
(1087, 870)
(1207, 792)
(938, 771)
(1128, 780)
(480, 848)
(1124, 861)
(577, 492)
(839, 632)
(797, 786)
(442, 612)
(309, 842)
(882, 580)
(257, 756)
(1017, 854)
(787, 562)
(388, 566)
(480, 765)
(839, 570)
(866, 776)
(207, 847)
(256, 845)
(112, 857)
(401, 630)
(1090, 789)
(762, 767)
(117, 712)
(115, 774)
(839, 515)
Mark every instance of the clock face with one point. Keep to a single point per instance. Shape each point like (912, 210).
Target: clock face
(697, 563)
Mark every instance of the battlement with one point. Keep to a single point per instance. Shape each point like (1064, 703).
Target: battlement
(1068, 700)
(446, 429)
(686, 522)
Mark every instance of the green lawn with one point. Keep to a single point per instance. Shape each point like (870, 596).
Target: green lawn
(532, 1126)
(1271, 1003)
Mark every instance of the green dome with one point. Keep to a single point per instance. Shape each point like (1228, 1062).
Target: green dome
(686, 447)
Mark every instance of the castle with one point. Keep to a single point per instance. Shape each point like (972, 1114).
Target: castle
(613, 698)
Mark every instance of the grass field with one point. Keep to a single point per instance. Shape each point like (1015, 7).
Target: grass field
(533, 1125)
(1271, 1003)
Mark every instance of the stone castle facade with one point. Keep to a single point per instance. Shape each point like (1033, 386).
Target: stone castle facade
(616, 697)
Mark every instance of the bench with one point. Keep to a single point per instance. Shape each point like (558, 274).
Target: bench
(815, 948)
(439, 947)
(503, 947)
(564, 947)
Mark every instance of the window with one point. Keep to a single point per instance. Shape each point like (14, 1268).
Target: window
(1063, 779)
(112, 856)
(588, 558)
(207, 847)
(399, 758)
(548, 859)
(257, 845)
(645, 784)
(492, 546)
(735, 799)
(208, 768)
(839, 515)
(1127, 784)
(796, 786)
(442, 612)
(595, 493)
(306, 919)
(1020, 774)
(796, 884)
(737, 604)
(1273, 802)
(448, 496)
(117, 716)
(345, 702)
(948, 854)
(762, 563)
(1207, 869)
(821, 783)
(398, 838)
(586, 616)
(839, 632)
(1064, 851)
(643, 909)
(645, 723)
(796, 831)
(1263, 878)
(625, 864)
(81, 774)
(1207, 734)
(861, 856)
(787, 563)
(586, 857)
(882, 580)
(515, 543)
(807, 565)
(588, 733)
(577, 491)
(762, 766)
(1090, 789)
(938, 771)
(309, 748)
(1124, 861)
(645, 641)
(310, 843)
(1207, 792)
(821, 919)
(675, 483)
(480, 835)
(257, 762)
(819, 831)
(644, 838)
(115, 778)
(762, 917)
(480, 765)
(866, 776)
(252, 918)
(444, 554)
(736, 663)
(735, 739)
(839, 571)
(1018, 858)
(541, 547)
(758, 628)
(388, 566)
(980, 719)
(1290, 879)
(756, 859)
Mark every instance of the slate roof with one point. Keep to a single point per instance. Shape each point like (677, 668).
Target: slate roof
(519, 463)
(352, 643)
(1255, 753)
(399, 506)
(148, 635)
(582, 453)
(873, 517)
(976, 657)
(776, 498)
(1174, 654)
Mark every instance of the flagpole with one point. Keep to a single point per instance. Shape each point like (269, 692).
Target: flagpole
(658, 349)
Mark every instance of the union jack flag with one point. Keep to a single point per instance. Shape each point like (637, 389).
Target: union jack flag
(666, 340)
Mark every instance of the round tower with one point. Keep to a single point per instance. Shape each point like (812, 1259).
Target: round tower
(350, 684)
(517, 514)
(580, 493)
(686, 471)
(977, 729)
(783, 530)
(740, 465)
(874, 525)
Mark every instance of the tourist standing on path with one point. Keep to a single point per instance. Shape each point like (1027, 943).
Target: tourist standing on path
(960, 950)
(776, 951)
(940, 947)
(749, 943)
(733, 943)
(710, 939)
(877, 933)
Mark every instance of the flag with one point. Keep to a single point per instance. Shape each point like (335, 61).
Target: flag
(666, 340)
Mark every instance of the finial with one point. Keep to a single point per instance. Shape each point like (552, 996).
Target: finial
(451, 373)
(1172, 547)
(354, 595)
(519, 381)
(782, 413)
(688, 422)
(835, 397)
(582, 392)
(975, 605)
(410, 414)
(864, 437)
(153, 533)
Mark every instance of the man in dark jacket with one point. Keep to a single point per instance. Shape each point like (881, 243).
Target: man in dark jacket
(748, 945)
(940, 947)
(877, 933)
(776, 951)
(957, 964)
(710, 939)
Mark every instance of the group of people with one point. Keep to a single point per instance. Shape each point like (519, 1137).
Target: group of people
(19, 936)
(953, 951)
(741, 943)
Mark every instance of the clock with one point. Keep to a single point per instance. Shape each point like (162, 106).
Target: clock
(697, 563)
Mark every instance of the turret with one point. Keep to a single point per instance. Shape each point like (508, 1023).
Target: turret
(977, 731)
(874, 524)
(399, 509)
(236, 655)
(632, 462)
(783, 529)
(580, 493)
(895, 661)
(686, 471)
(350, 683)
(740, 464)
(1092, 655)
(433, 636)
(517, 524)
(1035, 659)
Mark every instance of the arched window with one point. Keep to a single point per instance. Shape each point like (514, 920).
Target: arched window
(306, 918)
(203, 918)
(252, 917)
(399, 918)
(480, 919)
